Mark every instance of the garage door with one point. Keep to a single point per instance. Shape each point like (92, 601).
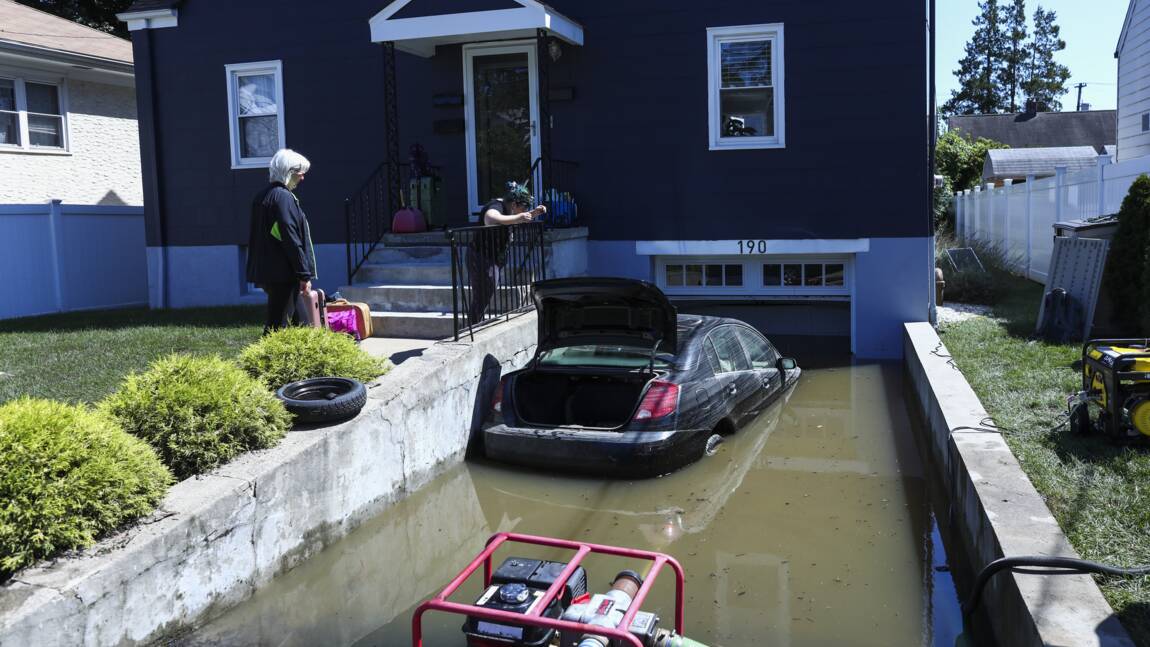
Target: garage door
(801, 302)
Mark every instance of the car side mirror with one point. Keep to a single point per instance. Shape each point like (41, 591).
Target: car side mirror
(786, 364)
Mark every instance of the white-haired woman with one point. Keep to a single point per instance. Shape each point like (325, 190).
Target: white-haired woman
(281, 258)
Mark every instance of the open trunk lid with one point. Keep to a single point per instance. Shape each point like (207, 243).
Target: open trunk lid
(587, 310)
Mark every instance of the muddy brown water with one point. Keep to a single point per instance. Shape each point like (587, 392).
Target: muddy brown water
(811, 526)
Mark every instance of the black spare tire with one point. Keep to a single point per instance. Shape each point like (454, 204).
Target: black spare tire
(323, 399)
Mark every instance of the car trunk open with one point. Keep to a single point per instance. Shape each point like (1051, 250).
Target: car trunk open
(578, 399)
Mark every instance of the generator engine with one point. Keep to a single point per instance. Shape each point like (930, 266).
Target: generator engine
(1116, 389)
(517, 586)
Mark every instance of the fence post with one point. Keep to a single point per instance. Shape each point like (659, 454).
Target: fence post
(992, 212)
(1029, 228)
(978, 211)
(1059, 184)
(55, 231)
(1103, 160)
(1007, 183)
(958, 224)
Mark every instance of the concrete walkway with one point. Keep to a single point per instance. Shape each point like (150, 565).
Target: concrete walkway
(395, 348)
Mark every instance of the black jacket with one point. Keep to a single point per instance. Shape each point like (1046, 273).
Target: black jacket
(279, 243)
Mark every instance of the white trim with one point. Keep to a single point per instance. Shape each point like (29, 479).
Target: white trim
(1125, 28)
(25, 146)
(769, 31)
(259, 67)
(153, 19)
(731, 247)
(470, 52)
(753, 277)
(421, 35)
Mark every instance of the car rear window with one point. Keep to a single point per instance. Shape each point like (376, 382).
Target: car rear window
(603, 355)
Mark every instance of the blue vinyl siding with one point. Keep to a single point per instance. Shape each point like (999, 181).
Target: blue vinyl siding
(856, 110)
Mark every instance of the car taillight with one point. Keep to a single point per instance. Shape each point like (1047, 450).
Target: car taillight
(497, 399)
(660, 401)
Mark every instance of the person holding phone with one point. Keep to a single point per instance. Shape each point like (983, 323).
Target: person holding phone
(488, 249)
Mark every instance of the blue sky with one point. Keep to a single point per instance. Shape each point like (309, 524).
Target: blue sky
(1089, 27)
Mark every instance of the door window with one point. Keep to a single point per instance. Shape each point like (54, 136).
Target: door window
(503, 129)
(728, 351)
(760, 351)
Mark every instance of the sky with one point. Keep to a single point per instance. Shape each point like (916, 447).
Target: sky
(1089, 27)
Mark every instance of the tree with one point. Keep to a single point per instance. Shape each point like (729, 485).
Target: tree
(1045, 77)
(1014, 66)
(960, 159)
(981, 68)
(1126, 265)
(98, 14)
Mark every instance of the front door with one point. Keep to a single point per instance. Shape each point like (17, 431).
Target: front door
(502, 111)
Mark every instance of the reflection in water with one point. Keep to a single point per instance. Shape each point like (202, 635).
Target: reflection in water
(811, 526)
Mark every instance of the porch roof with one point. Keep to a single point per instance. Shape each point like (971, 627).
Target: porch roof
(422, 32)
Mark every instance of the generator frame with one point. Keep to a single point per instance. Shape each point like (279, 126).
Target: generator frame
(1112, 380)
(534, 618)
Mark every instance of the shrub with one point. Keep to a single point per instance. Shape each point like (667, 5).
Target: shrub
(1126, 264)
(300, 352)
(198, 412)
(985, 288)
(68, 474)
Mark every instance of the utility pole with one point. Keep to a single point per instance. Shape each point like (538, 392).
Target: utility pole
(1079, 86)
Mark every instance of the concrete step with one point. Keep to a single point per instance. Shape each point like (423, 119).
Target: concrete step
(412, 325)
(425, 273)
(412, 254)
(420, 298)
(432, 238)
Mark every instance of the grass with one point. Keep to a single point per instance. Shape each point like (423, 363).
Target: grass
(83, 356)
(1098, 491)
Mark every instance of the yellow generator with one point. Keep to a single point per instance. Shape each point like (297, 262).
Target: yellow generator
(1116, 384)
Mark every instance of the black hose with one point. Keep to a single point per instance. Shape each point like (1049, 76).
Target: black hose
(1052, 566)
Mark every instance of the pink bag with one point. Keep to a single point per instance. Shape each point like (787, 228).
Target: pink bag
(344, 321)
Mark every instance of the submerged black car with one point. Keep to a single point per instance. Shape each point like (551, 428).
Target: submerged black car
(620, 384)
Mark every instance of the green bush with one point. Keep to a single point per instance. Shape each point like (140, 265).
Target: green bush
(297, 353)
(198, 412)
(985, 288)
(68, 474)
(1128, 262)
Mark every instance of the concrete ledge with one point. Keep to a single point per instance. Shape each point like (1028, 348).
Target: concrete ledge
(218, 538)
(995, 511)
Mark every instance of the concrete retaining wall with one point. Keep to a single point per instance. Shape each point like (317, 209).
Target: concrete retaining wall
(218, 538)
(995, 511)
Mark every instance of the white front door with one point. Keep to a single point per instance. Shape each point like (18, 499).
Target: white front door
(501, 100)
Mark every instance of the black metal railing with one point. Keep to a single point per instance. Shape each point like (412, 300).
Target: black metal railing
(553, 182)
(369, 211)
(493, 270)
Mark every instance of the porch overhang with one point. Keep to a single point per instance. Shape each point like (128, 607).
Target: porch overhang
(420, 35)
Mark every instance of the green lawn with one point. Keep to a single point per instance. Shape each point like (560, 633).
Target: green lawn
(82, 357)
(1099, 492)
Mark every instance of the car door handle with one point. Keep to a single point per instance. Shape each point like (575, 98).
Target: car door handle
(732, 389)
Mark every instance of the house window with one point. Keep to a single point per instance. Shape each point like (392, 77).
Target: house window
(1145, 121)
(745, 86)
(32, 115)
(255, 112)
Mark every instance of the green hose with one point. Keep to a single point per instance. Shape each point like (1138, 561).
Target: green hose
(680, 641)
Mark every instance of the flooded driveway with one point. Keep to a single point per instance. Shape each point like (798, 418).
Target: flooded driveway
(811, 526)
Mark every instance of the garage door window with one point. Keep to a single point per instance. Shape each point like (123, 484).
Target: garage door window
(703, 275)
(807, 275)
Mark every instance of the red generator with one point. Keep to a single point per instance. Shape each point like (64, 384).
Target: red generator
(539, 603)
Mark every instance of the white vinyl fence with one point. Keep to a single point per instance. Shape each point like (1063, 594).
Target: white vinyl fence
(1019, 218)
(57, 258)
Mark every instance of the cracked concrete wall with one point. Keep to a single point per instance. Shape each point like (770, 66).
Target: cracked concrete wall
(995, 512)
(219, 537)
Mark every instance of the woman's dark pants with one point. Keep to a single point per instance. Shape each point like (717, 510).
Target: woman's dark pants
(281, 305)
(481, 277)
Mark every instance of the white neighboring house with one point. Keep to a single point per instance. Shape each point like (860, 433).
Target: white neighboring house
(1133, 54)
(67, 112)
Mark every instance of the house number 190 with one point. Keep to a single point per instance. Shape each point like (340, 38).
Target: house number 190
(753, 246)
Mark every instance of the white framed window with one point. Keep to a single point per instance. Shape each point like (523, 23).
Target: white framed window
(739, 276)
(33, 115)
(255, 112)
(745, 87)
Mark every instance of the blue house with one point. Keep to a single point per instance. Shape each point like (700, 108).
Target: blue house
(767, 159)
